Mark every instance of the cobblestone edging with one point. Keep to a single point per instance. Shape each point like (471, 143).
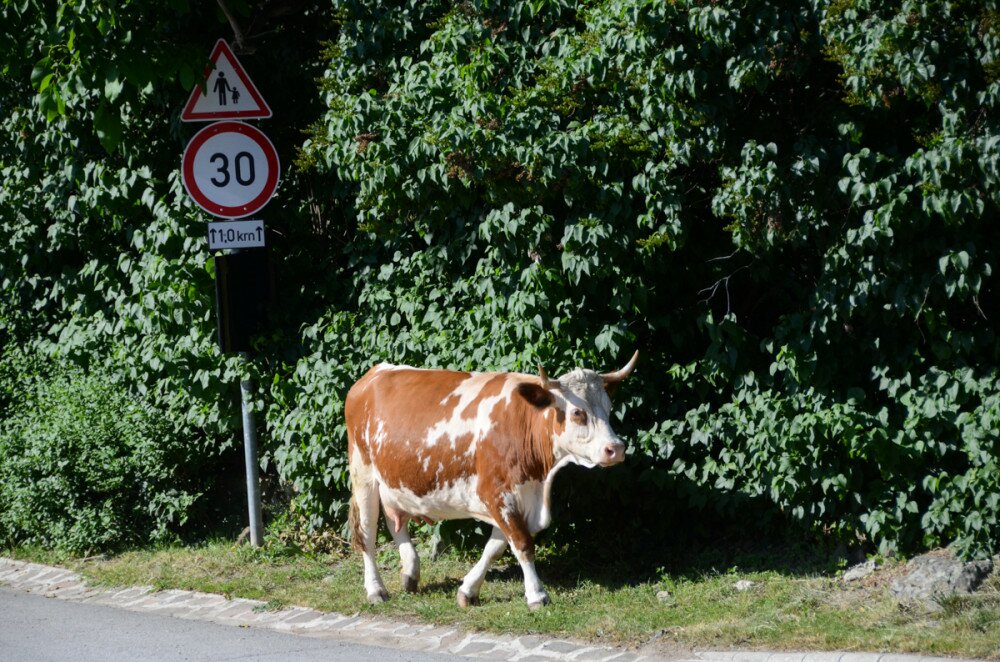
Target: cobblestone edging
(68, 585)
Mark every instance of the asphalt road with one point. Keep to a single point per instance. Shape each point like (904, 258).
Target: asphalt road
(38, 629)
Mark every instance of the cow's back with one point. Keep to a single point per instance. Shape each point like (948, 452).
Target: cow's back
(398, 403)
(418, 427)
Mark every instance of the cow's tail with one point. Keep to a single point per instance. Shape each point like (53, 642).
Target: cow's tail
(354, 520)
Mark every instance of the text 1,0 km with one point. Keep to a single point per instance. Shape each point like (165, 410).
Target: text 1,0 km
(235, 234)
(232, 235)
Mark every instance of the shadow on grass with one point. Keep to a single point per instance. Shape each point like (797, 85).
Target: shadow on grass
(449, 585)
(565, 565)
(634, 537)
(566, 568)
(614, 528)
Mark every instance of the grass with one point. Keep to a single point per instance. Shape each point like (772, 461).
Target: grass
(793, 604)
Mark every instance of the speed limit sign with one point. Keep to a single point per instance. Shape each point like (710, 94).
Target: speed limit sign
(230, 169)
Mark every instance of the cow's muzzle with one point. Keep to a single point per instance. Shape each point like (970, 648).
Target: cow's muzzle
(613, 454)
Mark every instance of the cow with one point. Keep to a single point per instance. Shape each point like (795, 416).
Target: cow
(435, 445)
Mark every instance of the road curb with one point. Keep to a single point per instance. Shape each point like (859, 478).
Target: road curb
(68, 585)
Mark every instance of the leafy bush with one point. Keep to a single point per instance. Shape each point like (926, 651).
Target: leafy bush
(104, 265)
(790, 208)
(86, 466)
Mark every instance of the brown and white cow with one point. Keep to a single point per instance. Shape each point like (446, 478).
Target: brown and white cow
(437, 444)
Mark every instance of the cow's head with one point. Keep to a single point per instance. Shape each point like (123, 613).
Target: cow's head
(584, 407)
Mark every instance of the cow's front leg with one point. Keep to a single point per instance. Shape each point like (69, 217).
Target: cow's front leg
(468, 592)
(534, 592)
(523, 545)
(409, 562)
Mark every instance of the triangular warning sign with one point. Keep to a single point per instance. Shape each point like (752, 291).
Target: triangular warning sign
(229, 93)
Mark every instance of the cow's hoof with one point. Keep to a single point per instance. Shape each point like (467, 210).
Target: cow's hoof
(535, 606)
(409, 583)
(466, 601)
(378, 597)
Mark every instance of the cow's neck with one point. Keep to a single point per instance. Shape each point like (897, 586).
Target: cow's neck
(546, 515)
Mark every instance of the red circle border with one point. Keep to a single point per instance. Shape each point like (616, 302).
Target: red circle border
(199, 197)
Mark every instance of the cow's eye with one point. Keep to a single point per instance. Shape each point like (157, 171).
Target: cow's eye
(579, 416)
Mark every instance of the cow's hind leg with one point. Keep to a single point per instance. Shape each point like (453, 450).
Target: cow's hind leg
(468, 592)
(409, 562)
(364, 525)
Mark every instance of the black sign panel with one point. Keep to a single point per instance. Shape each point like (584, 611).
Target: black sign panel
(243, 297)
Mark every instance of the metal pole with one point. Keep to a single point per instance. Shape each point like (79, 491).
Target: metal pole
(250, 455)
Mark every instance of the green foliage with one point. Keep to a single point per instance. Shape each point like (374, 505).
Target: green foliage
(86, 466)
(104, 265)
(789, 208)
(103, 258)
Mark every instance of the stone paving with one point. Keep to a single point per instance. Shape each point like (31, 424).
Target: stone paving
(68, 585)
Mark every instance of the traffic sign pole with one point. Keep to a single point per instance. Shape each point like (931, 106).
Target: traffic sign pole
(230, 169)
(250, 456)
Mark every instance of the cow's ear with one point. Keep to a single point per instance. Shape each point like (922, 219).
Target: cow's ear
(535, 395)
(612, 388)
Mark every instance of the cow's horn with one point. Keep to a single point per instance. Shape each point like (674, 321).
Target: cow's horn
(615, 377)
(546, 382)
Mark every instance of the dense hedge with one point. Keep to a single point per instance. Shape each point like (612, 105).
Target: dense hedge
(87, 467)
(790, 208)
(103, 266)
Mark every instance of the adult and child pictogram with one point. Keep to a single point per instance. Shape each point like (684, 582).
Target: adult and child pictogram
(223, 88)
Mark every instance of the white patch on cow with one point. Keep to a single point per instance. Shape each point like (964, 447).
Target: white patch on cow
(534, 498)
(454, 500)
(390, 367)
(455, 425)
(360, 470)
(533, 506)
(380, 435)
(511, 504)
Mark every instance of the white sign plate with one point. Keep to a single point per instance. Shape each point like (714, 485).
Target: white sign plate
(235, 234)
(230, 169)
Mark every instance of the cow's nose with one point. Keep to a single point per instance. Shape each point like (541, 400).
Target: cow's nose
(614, 453)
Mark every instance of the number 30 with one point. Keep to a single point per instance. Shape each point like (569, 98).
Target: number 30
(244, 169)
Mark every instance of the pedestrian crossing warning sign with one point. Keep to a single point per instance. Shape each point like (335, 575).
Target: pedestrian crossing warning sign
(227, 94)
